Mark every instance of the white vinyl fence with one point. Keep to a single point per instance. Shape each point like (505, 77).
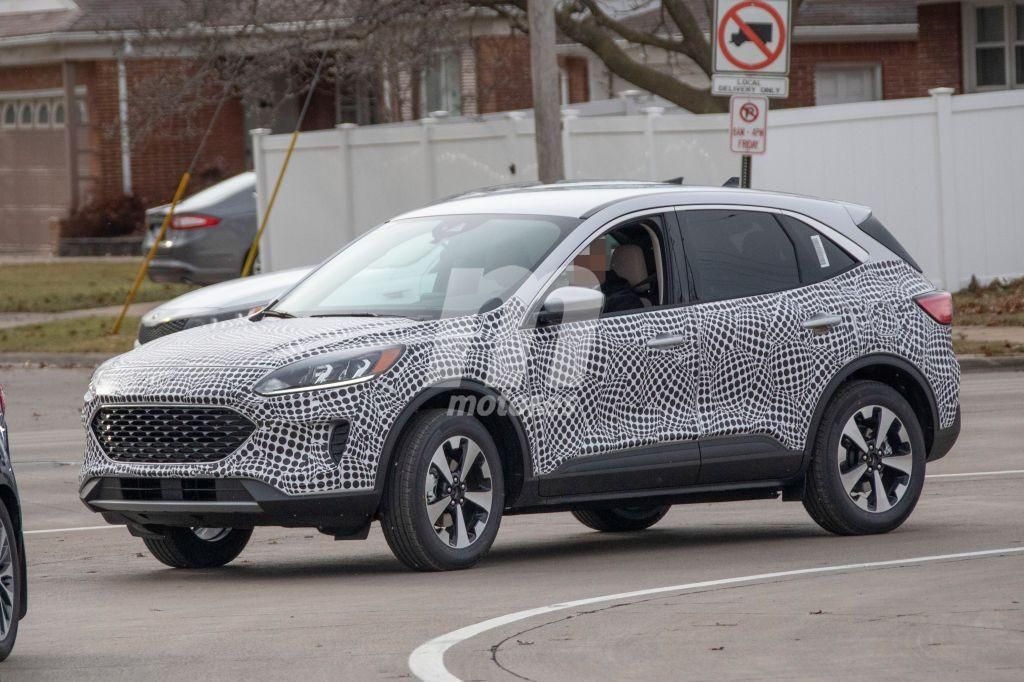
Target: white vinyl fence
(945, 173)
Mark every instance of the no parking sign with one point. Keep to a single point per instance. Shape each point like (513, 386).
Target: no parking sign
(752, 37)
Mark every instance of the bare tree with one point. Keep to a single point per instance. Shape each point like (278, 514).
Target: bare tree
(263, 52)
(608, 34)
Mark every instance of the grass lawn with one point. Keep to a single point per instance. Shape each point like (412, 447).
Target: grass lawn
(52, 287)
(85, 335)
(995, 305)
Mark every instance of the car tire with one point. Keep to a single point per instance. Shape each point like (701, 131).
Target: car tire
(10, 576)
(621, 519)
(435, 521)
(187, 548)
(850, 462)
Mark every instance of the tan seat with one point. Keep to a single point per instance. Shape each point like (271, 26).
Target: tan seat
(628, 262)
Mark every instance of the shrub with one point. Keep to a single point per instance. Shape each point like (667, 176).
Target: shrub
(115, 217)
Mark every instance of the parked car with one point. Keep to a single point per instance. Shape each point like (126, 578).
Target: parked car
(609, 349)
(13, 574)
(217, 302)
(209, 235)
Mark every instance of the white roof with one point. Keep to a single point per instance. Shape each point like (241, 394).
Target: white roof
(569, 199)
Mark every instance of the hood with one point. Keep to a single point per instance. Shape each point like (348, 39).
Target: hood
(236, 294)
(268, 343)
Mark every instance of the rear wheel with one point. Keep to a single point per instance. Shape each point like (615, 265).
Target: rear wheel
(868, 463)
(445, 493)
(621, 519)
(10, 584)
(198, 547)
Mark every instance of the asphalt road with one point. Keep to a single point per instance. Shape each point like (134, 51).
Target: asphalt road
(299, 605)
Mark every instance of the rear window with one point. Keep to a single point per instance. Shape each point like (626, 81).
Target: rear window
(819, 257)
(876, 230)
(734, 254)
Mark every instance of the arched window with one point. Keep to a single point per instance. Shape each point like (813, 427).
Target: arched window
(83, 113)
(10, 115)
(58, 113)
(25, 120)
(43, 115)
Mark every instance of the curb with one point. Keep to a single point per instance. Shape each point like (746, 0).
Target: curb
(62, 360)
(976, 363)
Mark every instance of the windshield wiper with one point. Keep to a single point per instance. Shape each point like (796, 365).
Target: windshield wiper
(271, 313)
(353, 315)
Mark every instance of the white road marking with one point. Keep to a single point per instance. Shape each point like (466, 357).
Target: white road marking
(977, 473)
(427, 661)
(68, 530)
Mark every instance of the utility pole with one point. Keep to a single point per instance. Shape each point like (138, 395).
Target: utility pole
(547, 95)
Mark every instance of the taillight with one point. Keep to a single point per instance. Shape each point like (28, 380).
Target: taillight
(938, 305)
(193, 222)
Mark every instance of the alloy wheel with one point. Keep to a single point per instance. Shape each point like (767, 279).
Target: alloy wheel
(7, 583)
(458, 492)
(875, 459)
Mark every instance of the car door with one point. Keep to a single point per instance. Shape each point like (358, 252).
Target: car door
(619, 390)
(769, 327)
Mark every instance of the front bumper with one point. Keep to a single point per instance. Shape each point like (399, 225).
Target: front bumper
(231, 503)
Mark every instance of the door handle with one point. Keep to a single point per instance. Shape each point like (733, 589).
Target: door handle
(822, 322)
(666, 341)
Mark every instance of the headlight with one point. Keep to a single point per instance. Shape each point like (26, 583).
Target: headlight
(329, 371)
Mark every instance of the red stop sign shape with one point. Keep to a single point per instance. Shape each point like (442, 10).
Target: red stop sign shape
(769, 55)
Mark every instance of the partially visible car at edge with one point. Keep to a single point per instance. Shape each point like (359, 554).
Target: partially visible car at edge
(13, 581)
(209, 235)
(217, 302)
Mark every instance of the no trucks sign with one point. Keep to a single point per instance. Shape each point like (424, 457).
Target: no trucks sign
(752, 37)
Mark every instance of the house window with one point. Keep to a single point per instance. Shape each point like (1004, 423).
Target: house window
(43, 115)
(10, 115)
(441, 84)
(25, 118)
(844, 83)
(58, 113)
(993, 44)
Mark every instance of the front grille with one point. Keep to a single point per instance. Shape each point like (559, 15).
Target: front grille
(147, 334)
(171, 490)
(157, 434)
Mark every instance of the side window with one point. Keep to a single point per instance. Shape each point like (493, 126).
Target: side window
(818, 256)
(733, 254)
(628, 265)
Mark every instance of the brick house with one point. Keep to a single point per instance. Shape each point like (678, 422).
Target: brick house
(62, 55)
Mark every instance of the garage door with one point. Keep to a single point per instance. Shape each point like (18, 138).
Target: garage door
(33, 170)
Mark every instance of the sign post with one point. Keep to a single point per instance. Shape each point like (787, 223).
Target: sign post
(751, 63)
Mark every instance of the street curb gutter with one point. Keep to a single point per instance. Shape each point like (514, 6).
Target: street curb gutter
(968, 363)
(974, 363)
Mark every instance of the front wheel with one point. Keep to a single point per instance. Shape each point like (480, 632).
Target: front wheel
(445, 493)
(10, 584)
(868, 464)
(198, 547)
(621, 519)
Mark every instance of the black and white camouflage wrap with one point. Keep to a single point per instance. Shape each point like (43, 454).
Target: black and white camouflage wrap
(580, 389)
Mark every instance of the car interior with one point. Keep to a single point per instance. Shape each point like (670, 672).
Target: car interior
(626, 264)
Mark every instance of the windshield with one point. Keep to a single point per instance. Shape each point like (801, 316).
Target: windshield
(429, 268)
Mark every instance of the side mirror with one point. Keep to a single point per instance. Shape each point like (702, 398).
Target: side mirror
(571, 304)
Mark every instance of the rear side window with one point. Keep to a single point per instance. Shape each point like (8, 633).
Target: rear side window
(733, 254)
(818, 256)
(876, 230)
